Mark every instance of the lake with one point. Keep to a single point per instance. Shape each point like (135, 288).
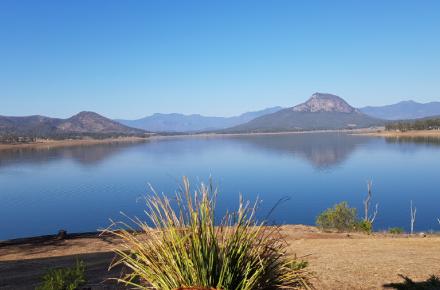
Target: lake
(80, 188)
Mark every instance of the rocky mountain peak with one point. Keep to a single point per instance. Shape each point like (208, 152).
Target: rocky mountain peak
(320, 102)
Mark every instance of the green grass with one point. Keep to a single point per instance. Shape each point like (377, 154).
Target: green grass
(64, 278)
(185, 248)
(396, 230)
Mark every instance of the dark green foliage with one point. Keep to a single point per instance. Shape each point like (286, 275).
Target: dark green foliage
(396, 230)
(364, 226)
(424, 124)
(12, 139)
(341, 217)
(64, 278)
(432, 283)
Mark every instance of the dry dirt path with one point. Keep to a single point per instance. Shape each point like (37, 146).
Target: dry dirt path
(340, 261)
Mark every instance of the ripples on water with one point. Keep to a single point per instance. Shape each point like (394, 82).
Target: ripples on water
(80, 188)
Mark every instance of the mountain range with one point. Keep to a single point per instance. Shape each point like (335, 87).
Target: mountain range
(326, 119)
(403, 110)
(320, 112)
(82, 123)
(192, 123)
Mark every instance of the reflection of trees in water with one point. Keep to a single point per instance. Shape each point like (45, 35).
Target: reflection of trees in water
(428, 141)
(322, 150)
(83, 154)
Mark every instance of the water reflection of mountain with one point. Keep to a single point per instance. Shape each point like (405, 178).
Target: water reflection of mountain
(322, 150)
(85, 155)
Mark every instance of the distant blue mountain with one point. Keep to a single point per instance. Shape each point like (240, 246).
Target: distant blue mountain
(403, 110)
(193, 123)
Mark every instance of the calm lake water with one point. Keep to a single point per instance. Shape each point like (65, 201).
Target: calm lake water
(81, 188)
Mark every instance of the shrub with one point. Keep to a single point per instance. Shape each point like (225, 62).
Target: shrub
(364, 226)
(185, 249)
(340, 217)
(396, 230)
(64, 278)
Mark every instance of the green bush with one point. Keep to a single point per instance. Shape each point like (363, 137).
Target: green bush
(64, 278)
(341, 217)
(364, 226)
(396, 230)
(185, 248)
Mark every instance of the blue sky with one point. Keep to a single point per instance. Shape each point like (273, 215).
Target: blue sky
(128, 59)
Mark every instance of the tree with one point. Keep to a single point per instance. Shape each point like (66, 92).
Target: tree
(367, 203)
(413, 217)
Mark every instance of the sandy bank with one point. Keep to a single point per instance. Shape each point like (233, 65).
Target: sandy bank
(48, 144)
(407, 134)
(340, 261)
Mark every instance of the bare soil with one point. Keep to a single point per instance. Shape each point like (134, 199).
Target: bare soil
(338, 260)
(48, 144)
(406, 134)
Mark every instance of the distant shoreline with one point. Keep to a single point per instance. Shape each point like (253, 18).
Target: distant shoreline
(406, 134)
(50, 143)
(354, 131)
(372, 132)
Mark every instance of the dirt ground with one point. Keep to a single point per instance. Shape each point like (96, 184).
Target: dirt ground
(406, 134)
(49, 144)
(338, 260)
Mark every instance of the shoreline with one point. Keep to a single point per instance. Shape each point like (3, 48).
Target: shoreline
(304, 229)
(339, 260)
(372, 132)
(49, 144)
(406, 134)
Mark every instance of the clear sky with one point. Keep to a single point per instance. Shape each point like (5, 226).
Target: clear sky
(128, 59)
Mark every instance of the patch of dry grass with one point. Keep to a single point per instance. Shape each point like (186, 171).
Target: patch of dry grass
(185, 248)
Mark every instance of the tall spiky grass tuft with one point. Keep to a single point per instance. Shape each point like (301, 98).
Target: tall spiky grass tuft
(184, 248)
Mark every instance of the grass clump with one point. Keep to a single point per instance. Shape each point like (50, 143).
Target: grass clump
(396, 230)
(64, 278)
(186, 249)
(340, 217)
